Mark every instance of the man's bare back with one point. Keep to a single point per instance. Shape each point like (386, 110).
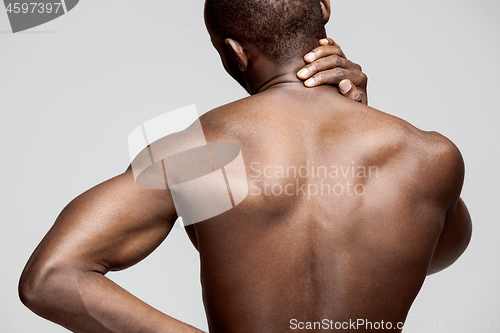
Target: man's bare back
(348, 208)
(345, 209)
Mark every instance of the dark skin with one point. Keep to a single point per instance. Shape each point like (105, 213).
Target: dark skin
(343, 257)
(115, 225)
(272, 258)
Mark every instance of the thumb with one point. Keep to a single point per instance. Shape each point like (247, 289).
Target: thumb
(349, 90)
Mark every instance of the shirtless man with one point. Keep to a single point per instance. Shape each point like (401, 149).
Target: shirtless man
(288, 257)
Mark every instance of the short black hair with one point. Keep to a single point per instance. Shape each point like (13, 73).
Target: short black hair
(280, 29)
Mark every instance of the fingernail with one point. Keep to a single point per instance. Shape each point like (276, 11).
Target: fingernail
(345, 87)
(303, 72)
(310, 56)
(324, 40)
(310, 82)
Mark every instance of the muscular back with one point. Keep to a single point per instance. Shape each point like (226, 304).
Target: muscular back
(345, 207)
(348, 210)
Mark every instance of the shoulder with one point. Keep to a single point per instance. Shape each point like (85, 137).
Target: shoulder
(430, 161)
(441, 148)
(445, 161)
(438, 166)
(429, 147)
(240, 121)
(389, 138)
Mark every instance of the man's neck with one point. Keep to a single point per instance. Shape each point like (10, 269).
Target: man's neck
(280, 81)
(264, 74)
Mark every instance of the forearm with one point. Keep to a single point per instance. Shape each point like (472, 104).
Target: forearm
(90, 302)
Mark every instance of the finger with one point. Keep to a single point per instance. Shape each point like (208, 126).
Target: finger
(325, 64)
(335, 76)
(333, 43)
(323, 51)
(349, 90)
(326, 41)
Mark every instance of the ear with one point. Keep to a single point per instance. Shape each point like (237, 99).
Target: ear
(325, 6)
(241, 56)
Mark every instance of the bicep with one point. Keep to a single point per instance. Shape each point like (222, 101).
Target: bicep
(110, 227)
(456, 230)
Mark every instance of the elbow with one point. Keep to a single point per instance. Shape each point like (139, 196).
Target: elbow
(27, 293)
(32, 288)
(40, 287)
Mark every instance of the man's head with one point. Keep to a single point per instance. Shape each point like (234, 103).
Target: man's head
(278, 30)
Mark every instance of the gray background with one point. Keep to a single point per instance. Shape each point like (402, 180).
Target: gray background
(72, 90)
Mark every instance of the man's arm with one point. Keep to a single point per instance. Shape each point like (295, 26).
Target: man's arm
(457, 228)
(110, 227)
(454, 238)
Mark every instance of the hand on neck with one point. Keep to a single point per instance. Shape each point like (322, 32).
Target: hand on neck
(255, 71)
